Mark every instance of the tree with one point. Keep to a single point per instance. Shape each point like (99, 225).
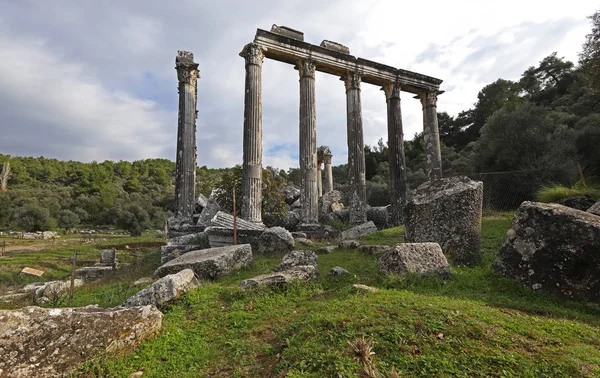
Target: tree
(68, 219)
(589, 58)
(5, 208)
(587, 142)
(132, 218)
(32, 218)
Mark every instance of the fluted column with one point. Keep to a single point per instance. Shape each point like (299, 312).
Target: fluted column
(327, 174)
(309, 197)
(185, 174)
(398, 184)
(319, 179)
(252, 159)
(431, 135)
(356, 152)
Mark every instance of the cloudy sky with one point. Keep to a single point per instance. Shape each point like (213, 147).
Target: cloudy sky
(94, 79)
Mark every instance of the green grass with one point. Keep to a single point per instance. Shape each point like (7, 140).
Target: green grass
(474, 325)
(554, 193)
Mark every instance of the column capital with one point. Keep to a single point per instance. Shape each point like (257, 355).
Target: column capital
(187, 69)
(428, 98)
(391, 90)
(306, 68)
(253, 54)
(352, 80)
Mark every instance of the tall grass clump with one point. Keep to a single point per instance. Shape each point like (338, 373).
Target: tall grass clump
(555, 193)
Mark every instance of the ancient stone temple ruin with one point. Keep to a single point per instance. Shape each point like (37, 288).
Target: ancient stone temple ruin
(287, 45)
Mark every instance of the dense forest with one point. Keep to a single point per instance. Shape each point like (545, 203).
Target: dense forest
(519, 135)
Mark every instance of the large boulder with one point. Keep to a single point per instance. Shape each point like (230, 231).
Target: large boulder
(448, 212)
(300, 273)
(578, 202)
(327, 200)
(164, 289)
(275, 239)
(595, 209)
(296, 258)
(357, 231)
(553, 248)
(52, 342)
(415, 258)
(209, 263)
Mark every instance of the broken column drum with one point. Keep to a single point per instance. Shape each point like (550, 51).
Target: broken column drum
(287, 45)
(252, 163)
(308, 143)
(398, 185)
(185, 181)
(356, 150)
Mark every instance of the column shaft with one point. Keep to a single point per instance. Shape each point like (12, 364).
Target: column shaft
(319, 179)
(185, 180)
(327, 175)
(431, 136)
(309, 189)
(356, 152)
(398, 184)
(252, 155)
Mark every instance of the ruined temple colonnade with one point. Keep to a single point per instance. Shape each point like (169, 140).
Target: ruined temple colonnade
(288, 46)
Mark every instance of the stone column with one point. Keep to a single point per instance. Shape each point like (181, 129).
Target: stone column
(319, 179)
(431, 135)
(309, 189)
(252, 159)
(398, 184)
(327, 174)
(185, 175)
(356, 152)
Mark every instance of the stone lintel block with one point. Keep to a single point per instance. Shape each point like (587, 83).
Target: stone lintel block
(335, 46)
(287, 32)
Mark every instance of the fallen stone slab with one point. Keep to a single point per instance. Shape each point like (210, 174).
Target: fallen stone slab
(164, 289)
(374, 249)
(296, 258)
(338, 271)
(52, 342)
(198, 238)
(325, 250)
(210, 263)
(349, 244)
(357, 231)
(420, 258)
(222, 237)
(170, 252)
(224, 220)
(595, 209)
(275, 239)
(301, 273)
(211, 208)
(91, 272)
(181, 226)
(51, 288)
(362, 287)
(448, 212)
(553, 248)
(32, 272)
(305, 242)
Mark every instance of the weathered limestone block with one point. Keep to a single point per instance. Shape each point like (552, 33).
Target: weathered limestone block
(93, 271)
(296, 258)
(325, 250)
(374, 249)
(287, 32)
(335, 46)
(419, 258)
(164, 289)
(318, 231)
(108, 257)
(201, 202)
(291, 221)
(305, 242)
(360, 230)
(198, 238)
(349, 244)
(222, 219)
(275, 239)
(380, 216)
(209, 263)
(51, 288)
(555, 249)
(338, 271)
(595, 209)
(578, 202)
(448, 212)
(51, 342)
(297, 234)
(170, 252)
(221, 237)
(179, 226)
(358, 211)
(210, 210)
(301, 273)
(327, 200)
(291, 194)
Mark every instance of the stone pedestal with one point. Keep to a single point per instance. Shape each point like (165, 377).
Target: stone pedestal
(308, 143)
(252, 159)
(185, 176)
(356, 152)
(398, 186)
(431, 135)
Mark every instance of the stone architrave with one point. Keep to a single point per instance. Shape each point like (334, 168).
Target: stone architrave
(448, 212)
(185, 175)
(252, 159)
(398, 184)
(356, 152)
(431, 135)
(308, 143)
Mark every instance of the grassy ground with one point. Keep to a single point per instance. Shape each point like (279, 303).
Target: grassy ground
(474, 325)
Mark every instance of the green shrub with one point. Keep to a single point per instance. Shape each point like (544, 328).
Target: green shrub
(559, 192)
